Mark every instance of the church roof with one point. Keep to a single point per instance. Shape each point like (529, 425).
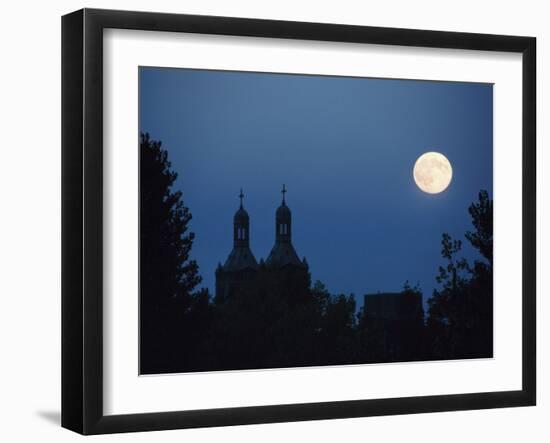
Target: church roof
(240, 259)
(283, 254)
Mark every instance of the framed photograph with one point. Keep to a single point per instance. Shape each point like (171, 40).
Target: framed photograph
(269, 221)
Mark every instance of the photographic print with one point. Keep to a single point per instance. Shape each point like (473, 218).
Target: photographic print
(254, 205)
(291, 220)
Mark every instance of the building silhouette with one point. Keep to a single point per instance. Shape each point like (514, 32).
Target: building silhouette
(395, 325)
(393, 322)
(282, 271)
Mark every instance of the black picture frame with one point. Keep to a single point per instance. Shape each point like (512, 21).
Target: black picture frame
(82, 221)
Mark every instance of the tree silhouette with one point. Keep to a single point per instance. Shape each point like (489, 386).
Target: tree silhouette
(336, 338)
(167, 275)
(482, 219)
(460, 321)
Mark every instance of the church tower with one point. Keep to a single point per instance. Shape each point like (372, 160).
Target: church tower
(282, 274)
(239, 269)
(285, 274)
(283, 253)
(241, 229)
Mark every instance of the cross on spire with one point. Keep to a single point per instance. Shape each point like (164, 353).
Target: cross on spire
(284, 191)
(241, 196)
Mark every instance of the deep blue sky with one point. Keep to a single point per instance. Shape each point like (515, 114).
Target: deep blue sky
(344, 147)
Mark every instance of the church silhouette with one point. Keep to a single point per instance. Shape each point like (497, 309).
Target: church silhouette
(282, 271)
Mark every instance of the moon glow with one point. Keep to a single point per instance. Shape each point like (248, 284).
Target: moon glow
(432, 172)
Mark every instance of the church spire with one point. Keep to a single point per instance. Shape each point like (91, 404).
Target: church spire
(241, 260)
(283, 253)
(283, 219)
(241, 225)
(241, 256)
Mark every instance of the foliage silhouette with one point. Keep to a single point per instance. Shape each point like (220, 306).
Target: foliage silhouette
(167, 275)
(460, 320)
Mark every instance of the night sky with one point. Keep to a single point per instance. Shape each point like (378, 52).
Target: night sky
(344, 147)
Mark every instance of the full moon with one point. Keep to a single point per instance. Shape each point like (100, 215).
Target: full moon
(432, 172)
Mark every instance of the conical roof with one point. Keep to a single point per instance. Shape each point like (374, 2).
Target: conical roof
(283, 211)
(241, 215)
(283, 254)
(240, 259)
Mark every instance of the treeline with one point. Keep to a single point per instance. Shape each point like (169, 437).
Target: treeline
(183, 328)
